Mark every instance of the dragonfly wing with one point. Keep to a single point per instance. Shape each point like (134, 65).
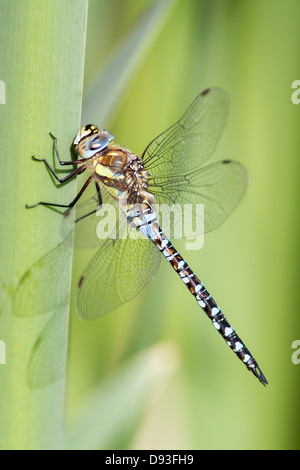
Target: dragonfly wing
(179, 181)
(90, 219)
(124, 263)
(192, 140)
(219, 187)
(119, 270)
(48, 276)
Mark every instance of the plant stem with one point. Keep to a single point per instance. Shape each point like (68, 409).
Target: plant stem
(42, 53)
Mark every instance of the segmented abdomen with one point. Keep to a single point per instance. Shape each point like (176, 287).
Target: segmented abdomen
(144, 219)
(207, 303)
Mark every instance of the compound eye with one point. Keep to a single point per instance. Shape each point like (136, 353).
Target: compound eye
(90, 141)
(98, 143)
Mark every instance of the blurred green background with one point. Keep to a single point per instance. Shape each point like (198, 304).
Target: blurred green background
(207, 399)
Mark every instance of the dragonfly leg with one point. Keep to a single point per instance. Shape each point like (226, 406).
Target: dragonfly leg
(98, 193)
(60, 161)
(72, 203)
(77, 171)
(99, 204)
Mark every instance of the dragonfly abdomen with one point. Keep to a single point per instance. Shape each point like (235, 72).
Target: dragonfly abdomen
(207, 303)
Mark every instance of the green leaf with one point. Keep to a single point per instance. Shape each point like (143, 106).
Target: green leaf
(111, 409)
(104, 95)
(42, 53)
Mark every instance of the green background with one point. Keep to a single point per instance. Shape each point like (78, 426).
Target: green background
(250, 264)
(154, 374)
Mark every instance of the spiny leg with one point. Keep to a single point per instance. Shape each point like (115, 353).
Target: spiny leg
(62, 162)
(72, 203)
(77, 171)
(98, 193)
(95, 210)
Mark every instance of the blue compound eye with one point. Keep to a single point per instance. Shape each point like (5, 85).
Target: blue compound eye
(90, 140)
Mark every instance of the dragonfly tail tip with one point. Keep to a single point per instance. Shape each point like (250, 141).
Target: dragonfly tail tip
(258, 373)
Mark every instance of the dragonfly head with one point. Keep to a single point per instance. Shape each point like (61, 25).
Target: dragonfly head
(91, 140)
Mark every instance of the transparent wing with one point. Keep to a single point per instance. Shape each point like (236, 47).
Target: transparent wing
(219, 187)
(175, 158)
(192, 140)
(94, 223)
(83, 234)
(47, 359)
(45, 276)
(118, 271)
(124, 263)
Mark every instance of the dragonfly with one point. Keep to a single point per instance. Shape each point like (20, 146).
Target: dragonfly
(169, 171)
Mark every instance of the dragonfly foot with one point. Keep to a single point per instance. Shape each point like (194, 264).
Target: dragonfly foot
(28, 206)
(37, 159)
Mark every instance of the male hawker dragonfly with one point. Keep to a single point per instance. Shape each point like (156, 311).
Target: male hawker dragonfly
(169, 171)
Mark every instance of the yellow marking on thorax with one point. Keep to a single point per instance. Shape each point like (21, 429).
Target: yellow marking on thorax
(108, 172)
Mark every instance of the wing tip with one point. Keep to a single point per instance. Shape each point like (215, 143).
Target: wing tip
(80, 282)
(204, 92)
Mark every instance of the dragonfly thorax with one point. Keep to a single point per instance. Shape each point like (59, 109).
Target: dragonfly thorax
(122, 173)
